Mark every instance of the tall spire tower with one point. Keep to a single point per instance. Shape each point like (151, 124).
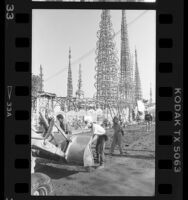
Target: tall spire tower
(69, 79)
(79, 92)
(41, 79)
(106, 62)
(150, 94)
(138, 90)
(126, 68)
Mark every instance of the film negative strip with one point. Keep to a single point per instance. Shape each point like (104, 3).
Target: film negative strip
(74, 91)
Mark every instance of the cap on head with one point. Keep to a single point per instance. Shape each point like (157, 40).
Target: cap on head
(50, 113)
(115, 118)
(60, 116)
(88, 119)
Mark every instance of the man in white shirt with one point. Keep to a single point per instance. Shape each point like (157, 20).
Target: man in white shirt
(99, 134)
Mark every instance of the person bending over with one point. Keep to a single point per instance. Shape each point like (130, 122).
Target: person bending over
(49, 136)
(66, 129)
(63, 124)
(99, 134)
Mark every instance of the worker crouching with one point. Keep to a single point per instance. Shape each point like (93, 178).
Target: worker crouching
(99, 134)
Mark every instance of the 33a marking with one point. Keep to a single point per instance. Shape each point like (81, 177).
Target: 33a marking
(9, 11)
(9, 109)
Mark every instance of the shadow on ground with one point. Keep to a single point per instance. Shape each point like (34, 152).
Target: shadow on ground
(138, 156)
(55, 173)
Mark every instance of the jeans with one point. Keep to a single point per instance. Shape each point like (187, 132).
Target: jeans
(116, 141)
(100, 147)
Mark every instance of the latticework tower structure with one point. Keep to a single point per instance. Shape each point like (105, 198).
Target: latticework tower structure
(69, 79)
(41, 88)
(106, 62)
(79, 92)
(138, 89)
(150, 94)
(126, 85)
(132, 70)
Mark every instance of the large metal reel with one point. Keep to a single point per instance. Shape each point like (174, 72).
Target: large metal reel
(79, 150)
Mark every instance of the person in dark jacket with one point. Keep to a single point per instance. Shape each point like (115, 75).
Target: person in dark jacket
(64, 126)
(148, 120)
(117, 137)
(49, 135)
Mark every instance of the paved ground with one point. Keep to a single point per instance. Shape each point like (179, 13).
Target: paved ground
(130, 175)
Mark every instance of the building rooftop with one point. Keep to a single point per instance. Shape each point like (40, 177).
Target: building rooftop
(46, 94)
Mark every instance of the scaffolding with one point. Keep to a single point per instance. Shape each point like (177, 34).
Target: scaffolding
(41, 87)
(138, 90)
(69, 79)
(79, 92)
(106, 62)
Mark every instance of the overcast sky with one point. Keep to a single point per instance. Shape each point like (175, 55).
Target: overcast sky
(54, 31)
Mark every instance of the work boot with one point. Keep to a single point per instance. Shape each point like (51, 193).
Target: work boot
(96, 160)
(100, 166)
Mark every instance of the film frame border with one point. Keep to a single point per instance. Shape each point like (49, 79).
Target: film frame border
(169, 67)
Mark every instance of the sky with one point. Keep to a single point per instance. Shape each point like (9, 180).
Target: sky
(55, 31)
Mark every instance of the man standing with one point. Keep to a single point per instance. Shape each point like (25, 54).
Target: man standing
(148, 120)
(117, 137)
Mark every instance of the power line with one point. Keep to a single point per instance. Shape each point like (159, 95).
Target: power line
(92, 50)
(73, 63)
(136, 18)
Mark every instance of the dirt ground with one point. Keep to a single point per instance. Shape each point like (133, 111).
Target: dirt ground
(132, 174)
